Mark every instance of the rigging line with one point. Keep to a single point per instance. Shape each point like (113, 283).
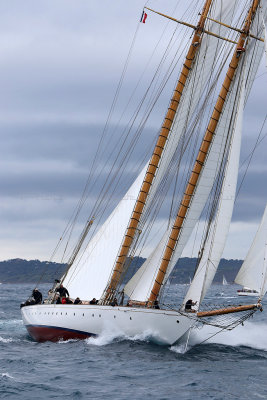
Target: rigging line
(154, 102)
(101, 139)
(164, 84)
(158, 42)
(258, 143)
(250, 158)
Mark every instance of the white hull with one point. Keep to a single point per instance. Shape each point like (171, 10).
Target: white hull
(248, 294)
(56, 321)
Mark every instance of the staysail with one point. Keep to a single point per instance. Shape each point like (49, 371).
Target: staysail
(89, 274)
(252, 273)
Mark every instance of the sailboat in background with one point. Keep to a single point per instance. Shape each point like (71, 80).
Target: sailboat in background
(253, 272)
(224, 281)
(98, 269)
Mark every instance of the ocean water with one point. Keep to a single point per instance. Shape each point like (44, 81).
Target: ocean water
(230, 365)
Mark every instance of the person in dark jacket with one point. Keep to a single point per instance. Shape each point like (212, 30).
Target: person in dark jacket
(63, 292)
(77, 300)
(38, 297)
(189, 304)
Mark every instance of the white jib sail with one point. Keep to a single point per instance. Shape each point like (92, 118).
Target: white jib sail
(215, 243)
(252, 273)
(139, 287)
(88, 276)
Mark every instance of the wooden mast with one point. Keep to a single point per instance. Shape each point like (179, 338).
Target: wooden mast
(202, 155)
(155, 159)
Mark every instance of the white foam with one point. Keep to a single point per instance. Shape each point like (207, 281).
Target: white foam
(180, 348)
(61, 341)
(11, 322)
(251, 335)
(109, 336)
(5, 340)
(7, 375)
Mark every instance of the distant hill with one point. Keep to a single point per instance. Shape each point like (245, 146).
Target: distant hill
(23, 271)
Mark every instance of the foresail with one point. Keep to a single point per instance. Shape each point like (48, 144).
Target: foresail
(252, 273)
(88, 276)
(214, 246)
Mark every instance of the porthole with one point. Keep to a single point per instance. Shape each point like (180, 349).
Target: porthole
(83, 315)
(66, 313)
(93, 315)
(177, 321)
(74, 313)
(130, 317)
(61, 313)
(114, 316)
(99, 315)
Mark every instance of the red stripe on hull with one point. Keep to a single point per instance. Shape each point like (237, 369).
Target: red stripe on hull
(54, 334)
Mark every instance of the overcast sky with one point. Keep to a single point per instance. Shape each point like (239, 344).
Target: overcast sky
(60, 62)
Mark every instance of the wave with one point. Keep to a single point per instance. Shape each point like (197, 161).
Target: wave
(108, 337)
(250, 335)
(11, 322)
(6, 340)
(7, 375)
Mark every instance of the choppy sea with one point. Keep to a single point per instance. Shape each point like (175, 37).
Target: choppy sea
(230, 365)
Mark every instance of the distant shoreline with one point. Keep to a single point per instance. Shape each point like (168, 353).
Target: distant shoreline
(17, 270)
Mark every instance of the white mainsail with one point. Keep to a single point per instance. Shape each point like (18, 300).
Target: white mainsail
(139, 287)
(88, 276)
(215, 244)
(252, 273)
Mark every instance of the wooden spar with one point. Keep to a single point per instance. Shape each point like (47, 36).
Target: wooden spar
(234, 29)
(154, 162)
(201, 158)
(195, 27)
(204, 30)
(229, 310)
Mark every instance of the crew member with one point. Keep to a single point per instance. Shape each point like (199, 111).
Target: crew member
(38, 297)
(63, 292)
(189, 304)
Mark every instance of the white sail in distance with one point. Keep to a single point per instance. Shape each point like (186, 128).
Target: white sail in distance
(139, 287)
(252, 273)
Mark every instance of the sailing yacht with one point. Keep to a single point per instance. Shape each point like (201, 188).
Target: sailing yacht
(225, 47)
(224, 281)
(253, 272)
